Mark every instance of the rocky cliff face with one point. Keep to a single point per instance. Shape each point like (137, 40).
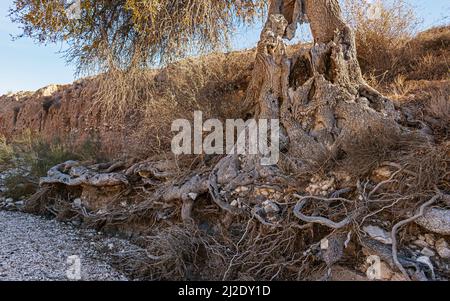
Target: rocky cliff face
(64, 111)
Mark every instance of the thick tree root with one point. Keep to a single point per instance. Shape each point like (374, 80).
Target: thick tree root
(71, 173)
(322, 220)
(436, 220)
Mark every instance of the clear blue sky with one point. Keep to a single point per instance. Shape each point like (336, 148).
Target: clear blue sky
(25, 65)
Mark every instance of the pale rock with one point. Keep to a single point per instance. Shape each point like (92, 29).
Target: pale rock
(429, 238)
(9, 201)
(193, 195)
(270, 207)
(427, 252)
(421, 243)
(382, 173)
(442, 249)
(380, 272)
(77, 202)
(436, 220)
(387, 274)
(48, 91)
(264, 192)
(327, 184)
(324, 244)
(378, 234)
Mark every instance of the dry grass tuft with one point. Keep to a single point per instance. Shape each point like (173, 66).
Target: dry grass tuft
(438, 111)
(173, 253)
(388, 47)
(429, 165)
(28, 157)
(374, 146)
(426, 56)
(426, 103)
(214, 84)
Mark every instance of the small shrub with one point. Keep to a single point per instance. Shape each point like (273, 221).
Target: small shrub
(214, 84)
(375, 145)
(382, 29)
(20, 185)
(437, 114)
(29, 157)
(6, 152)
(426, 56)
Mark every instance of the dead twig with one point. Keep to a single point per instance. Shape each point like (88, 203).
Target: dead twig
(318, 219)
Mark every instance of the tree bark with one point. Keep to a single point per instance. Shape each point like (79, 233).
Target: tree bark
(320, 113)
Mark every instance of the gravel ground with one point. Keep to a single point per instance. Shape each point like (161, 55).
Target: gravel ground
(36, 249)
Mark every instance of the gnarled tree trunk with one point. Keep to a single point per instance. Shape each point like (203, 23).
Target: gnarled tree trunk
(320, 111)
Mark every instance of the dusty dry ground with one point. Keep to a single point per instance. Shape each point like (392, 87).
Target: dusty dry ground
(37, 249)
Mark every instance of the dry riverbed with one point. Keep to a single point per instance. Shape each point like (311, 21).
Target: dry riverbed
(33, 248)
